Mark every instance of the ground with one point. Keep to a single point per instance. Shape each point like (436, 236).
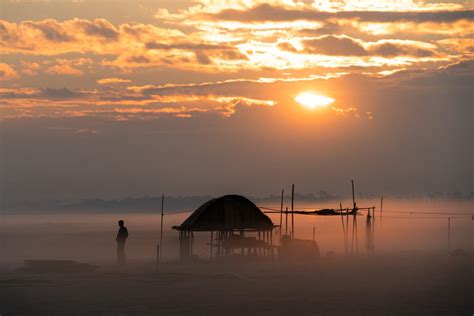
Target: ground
(409, 284)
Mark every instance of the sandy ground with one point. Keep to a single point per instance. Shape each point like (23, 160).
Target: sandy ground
(403, 284)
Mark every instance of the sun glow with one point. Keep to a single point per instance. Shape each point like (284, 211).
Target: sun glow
(312, 100)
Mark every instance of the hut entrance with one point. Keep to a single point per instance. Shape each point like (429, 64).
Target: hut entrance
(237, 228)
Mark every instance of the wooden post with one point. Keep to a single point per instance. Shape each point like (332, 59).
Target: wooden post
(242, 238)
(271, 245)
(347, 228)
(381, 208)
(368, 232)
(161, 225)
(449, 234)
(373, 230)
(286, 222)
(281, 212)
(356, 235)
(314, 233)
(343, 228)
(292, 212)
(212, 241)
(352, 241)
(353, 194)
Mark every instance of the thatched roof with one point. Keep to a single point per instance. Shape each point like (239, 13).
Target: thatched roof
(226, 213)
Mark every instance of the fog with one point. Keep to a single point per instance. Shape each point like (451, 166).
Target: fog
(411, 272)
(91, 237)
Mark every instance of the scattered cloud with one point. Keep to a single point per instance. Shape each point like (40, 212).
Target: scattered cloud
(106, 81)
(7, 72)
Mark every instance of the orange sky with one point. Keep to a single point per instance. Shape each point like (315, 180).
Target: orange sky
(95, 61)
(400, 73)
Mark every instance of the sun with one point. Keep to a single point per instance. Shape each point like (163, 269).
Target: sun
(312, 100)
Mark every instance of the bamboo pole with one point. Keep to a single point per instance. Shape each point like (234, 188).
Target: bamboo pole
(449, 234)
(343, 228)
(381, 208)
(347, 228)
(292, 211)
(161, 224)
(368, 232)
(353, 230)
(281, 212)
(356, 234)
(373, 230)
(353, 195)
(212, 242)
(218, 250)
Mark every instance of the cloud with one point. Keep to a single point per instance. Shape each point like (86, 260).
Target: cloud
(51, 37)
(100, 28)
(63, 93)
(342, 45)
(106, 81)
(51, 30)
(30, 68)
(7, 72)
(334, 45)
(393, 48)
(63, 67)
(137, 102)
(272, 13)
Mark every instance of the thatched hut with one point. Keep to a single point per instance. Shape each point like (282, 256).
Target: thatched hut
(228, 219)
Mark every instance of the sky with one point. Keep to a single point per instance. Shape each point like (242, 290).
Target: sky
(117, 98)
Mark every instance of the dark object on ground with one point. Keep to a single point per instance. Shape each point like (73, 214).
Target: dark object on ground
(59, 266)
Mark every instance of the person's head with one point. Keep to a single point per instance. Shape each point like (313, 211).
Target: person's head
(121, 223)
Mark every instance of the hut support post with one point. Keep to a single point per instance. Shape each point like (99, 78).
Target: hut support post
(212, 245)
(242, 237)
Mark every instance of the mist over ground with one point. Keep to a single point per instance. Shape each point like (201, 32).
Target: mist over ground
(411, 272)
(90, 237)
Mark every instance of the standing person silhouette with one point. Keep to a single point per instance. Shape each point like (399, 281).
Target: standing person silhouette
(122, 236)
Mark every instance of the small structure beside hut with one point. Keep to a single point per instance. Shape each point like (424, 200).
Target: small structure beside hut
(237, 226)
